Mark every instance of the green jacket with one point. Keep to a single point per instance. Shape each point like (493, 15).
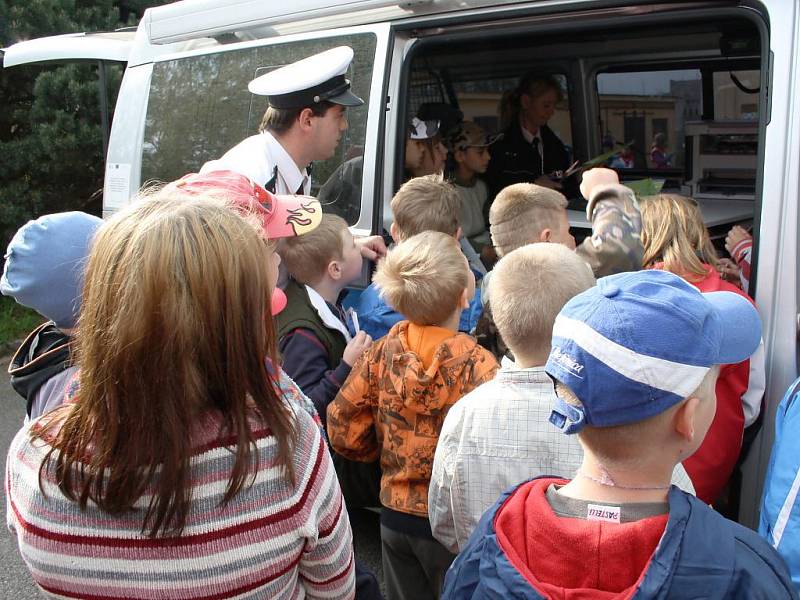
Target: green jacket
(300, 313)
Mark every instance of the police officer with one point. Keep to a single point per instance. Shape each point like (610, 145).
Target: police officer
(304, 122)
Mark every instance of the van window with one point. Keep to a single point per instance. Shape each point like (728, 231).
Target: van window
(199, 107)
(736, 95)
(480, 99)
(645, 112)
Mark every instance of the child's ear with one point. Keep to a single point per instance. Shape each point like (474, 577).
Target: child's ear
(393, 231)
(545, 235)
(459, 233)
(465, 299)
(684, 420)
(335, 270)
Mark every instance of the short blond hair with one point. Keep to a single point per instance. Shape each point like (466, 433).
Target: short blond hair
(621, 445)
(673, 233)
(528, 288)
(424, 277)
(427, 203)
(520, 213)
(307, 256)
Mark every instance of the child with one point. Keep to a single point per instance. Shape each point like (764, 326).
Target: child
(498, 435)
(469, 146)
(394, 402)
(421, 204)
(317, 347)
(276, 217)
(425, 153)
(635, 362)
(176, 459)
(675, 239)
(44, 271)
(525, 213)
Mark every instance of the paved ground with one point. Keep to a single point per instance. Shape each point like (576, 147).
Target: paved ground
(15, 582)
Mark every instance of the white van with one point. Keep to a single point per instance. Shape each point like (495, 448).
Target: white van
(718, 79)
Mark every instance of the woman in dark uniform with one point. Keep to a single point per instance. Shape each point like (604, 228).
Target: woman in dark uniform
(529, 150)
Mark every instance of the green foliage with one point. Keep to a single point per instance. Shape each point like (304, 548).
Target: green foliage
(51, 154)
(15, 321)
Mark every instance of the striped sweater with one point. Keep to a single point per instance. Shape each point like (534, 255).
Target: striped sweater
(272, 540)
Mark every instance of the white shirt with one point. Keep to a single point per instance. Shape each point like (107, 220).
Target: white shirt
(256, 157)
(495, 437)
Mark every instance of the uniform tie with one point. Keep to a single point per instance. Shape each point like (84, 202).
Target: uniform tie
(539, 159)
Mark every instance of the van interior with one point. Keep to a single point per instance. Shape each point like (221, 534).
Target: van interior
(696, 84)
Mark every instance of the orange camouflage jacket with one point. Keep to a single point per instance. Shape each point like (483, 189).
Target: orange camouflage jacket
(393, 405)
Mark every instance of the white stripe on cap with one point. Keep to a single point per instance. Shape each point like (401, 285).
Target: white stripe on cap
(673, 377)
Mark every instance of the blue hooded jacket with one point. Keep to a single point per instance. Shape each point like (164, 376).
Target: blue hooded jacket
(376, 317)
(700, 555)
(780, 508)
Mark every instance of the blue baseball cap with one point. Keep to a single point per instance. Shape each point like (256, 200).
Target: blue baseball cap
(638, 343)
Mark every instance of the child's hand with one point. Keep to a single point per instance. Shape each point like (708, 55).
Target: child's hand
(372, 247)
(356, 347)
(595, 177)
(729, 271)
(736, 235)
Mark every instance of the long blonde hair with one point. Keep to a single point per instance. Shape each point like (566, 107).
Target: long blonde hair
(175, 322)
(673, 233)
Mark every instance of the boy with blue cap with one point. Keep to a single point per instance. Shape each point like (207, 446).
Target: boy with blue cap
(43, 270)
(634, 361)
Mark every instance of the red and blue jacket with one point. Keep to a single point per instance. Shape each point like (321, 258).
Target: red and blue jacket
(521, 549)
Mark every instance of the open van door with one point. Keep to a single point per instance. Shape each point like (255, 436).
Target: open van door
(100, 48)
(103, 47)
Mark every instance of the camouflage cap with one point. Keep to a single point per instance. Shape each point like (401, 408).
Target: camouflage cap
(468, 135)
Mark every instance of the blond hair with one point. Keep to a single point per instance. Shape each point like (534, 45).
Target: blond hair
(520, 213)
(620, 445)
(424, 277)
(673, 233)
(175, 286)
(426, 203)
(307, 256)
(529, 287)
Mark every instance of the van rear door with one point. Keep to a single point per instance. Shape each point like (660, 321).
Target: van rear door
(105, 47)
(101, 48)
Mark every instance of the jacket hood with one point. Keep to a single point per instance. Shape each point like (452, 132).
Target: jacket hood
(43, 354)
(427, 390)
(700, 555)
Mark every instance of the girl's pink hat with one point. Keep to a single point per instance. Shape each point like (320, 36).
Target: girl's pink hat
(281, 216)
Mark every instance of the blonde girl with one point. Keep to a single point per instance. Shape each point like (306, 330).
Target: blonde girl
(676, 239)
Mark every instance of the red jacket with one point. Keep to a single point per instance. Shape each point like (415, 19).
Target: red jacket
(711, 466)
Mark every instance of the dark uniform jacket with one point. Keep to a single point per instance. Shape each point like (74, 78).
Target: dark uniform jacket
(514, 160)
